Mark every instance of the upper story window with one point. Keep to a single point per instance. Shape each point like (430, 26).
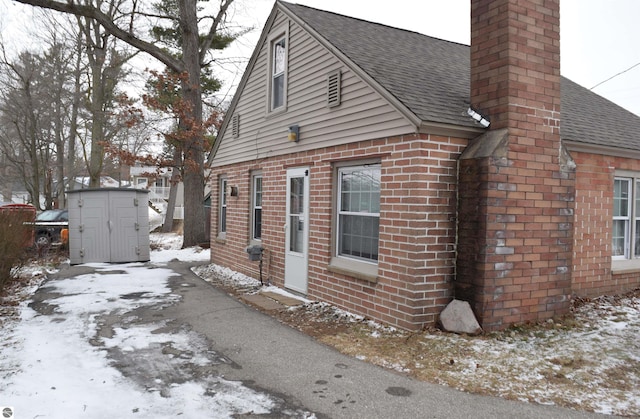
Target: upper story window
(277, 89)
(278, 63)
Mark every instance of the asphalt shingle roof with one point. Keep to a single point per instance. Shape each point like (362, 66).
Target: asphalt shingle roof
(430, 76)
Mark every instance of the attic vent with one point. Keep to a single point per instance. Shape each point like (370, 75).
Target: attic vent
(235, 125)
(333, 89)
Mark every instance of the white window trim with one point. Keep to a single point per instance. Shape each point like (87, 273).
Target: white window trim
(222, 207)
(352, 266)
(279, 34)
(628, 262)
(254, 176)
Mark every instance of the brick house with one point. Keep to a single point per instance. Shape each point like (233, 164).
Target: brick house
(387, 172)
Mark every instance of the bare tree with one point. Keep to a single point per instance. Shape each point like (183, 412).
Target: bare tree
(21, 114)
(106, 70)
(193, 57)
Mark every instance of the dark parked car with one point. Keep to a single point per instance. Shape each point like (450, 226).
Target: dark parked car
(48, 226)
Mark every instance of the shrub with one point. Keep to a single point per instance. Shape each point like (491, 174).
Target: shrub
(16, 235)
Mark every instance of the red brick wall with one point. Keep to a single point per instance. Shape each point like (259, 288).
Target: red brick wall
(417, 226)
(592, 274)
(521, 270)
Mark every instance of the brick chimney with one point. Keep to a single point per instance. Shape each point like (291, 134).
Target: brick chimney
(516, 181)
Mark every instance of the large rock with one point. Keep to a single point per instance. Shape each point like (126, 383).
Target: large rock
(458, 317)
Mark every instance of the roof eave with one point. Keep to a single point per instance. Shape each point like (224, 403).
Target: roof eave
(581, 147)
(450, 130)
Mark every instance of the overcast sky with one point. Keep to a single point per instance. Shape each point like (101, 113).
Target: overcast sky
(598, 37)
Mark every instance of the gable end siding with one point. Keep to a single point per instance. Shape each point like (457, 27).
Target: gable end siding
(363, 113)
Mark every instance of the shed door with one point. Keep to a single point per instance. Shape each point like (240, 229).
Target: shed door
(123, 226)
(297, 230)
(94, 234)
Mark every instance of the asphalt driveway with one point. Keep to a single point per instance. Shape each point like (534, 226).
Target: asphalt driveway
(244, 362)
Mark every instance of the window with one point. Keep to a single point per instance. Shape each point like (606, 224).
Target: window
(256, 207)
(358, 212)
(278, 73)
(626, 218)
(222, 216)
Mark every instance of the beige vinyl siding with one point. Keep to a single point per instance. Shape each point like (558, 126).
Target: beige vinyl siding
(363, 114)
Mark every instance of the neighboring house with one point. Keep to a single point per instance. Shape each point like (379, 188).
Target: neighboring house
(158, 183)
(388, 172)
(82, 182)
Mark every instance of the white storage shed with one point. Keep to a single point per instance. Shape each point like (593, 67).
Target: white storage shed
(108, 225)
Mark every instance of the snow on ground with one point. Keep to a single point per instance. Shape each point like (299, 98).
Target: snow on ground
(50, 366)
(167, 246)
(589, 361)
(58, 365)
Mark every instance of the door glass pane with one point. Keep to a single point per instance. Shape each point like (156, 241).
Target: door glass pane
(296, 214)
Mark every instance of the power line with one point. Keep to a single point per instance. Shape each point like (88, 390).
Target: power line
(616, 75)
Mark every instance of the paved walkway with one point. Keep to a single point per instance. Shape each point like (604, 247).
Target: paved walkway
(267, 356)
(282, 360)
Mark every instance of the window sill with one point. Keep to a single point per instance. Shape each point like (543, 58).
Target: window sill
(353, 268)
(277, 111)
(221, 240)
(625, 266)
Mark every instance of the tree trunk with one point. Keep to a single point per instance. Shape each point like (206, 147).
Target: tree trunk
(167, 226)
(97, 128)
(173, 191)
(75, 106)
(193, 176)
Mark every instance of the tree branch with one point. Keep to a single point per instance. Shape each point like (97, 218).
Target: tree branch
(206, 43)
(104, 20)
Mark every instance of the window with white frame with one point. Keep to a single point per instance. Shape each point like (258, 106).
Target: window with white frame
(222, 210)
(256, 206)
(358, 212)
(626, 218)
(278, 73)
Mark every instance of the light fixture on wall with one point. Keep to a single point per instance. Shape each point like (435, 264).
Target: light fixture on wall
(294, 133)
(478, 118)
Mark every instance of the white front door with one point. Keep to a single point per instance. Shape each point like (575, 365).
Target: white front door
(297, 230)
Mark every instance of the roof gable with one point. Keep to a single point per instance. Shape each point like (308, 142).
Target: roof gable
(430, 77)
(416, 69)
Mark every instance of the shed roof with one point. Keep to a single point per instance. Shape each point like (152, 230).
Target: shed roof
(430, 77)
